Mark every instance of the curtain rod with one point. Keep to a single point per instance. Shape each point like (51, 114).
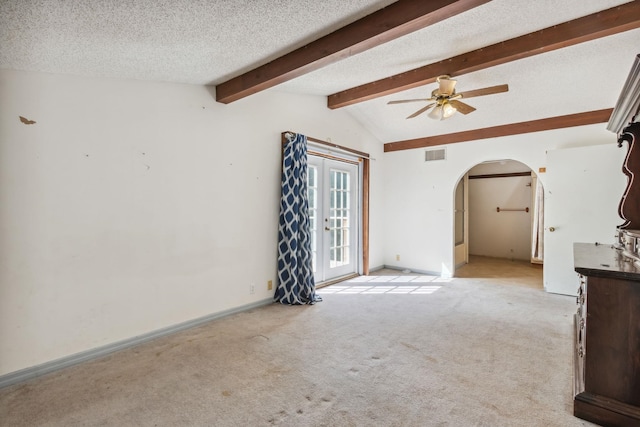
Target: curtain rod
(332, 145)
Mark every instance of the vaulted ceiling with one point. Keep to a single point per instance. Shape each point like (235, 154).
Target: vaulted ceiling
(560, 59)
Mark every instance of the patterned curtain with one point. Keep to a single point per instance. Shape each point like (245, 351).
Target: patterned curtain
(295, 273)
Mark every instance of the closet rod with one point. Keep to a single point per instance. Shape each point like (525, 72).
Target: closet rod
(498, 209)
(500, 175)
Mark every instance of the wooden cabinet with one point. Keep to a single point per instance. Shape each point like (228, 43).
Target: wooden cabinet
(607, 336)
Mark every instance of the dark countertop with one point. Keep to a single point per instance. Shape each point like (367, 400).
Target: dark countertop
(604, 260)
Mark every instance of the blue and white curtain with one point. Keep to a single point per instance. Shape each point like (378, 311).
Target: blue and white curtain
(295, 272)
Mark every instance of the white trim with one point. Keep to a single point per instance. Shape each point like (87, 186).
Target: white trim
(628, 103)
(85, 356)
(331, 151)
(412, 270)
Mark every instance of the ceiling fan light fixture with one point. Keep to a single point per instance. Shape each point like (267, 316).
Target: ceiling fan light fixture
(443, 110)
(436, 112)
(448, 110)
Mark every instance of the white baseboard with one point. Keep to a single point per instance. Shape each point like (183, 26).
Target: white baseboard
(84, 356)
(430, 273)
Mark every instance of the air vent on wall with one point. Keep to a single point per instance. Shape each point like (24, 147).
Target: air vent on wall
(431, 155)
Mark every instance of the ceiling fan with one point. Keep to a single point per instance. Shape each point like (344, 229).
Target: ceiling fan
(446, 100)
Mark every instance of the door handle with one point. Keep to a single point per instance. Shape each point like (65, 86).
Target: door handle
(327, 229)
(552, 229)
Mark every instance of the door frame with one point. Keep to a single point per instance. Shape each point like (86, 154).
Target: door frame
(319, 147)
(325, 165)
(457, 250)
(461, 251)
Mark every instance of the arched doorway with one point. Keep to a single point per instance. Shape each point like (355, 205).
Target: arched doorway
(497, 214)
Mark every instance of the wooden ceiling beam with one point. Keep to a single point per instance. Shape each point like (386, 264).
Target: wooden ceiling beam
(389, 23)
(559, 122)
(601, 24)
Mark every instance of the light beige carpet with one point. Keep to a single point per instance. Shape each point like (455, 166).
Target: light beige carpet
(391, 349)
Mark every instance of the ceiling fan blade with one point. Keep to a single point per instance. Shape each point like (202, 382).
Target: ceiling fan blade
(461, 106)
(420, 111)
(402, 101)
(484, 91)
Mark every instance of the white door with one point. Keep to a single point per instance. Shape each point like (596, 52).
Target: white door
(583, 187)
(461, 222)
(334, 214)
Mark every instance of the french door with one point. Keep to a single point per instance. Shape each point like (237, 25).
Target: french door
(334, 217)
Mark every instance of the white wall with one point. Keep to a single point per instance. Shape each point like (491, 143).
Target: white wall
(132, 206)
(419, 195)
(504, 234)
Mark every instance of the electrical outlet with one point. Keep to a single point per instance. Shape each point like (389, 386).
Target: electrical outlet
(270, 285)
(252, 288)
(397, 257)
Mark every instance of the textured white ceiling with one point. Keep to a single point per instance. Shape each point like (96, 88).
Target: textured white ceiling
(207, 42)
(491, 23)
(577, 79)
(186, 41)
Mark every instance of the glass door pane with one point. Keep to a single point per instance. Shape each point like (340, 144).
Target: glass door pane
(339, 215)
(312, 181)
